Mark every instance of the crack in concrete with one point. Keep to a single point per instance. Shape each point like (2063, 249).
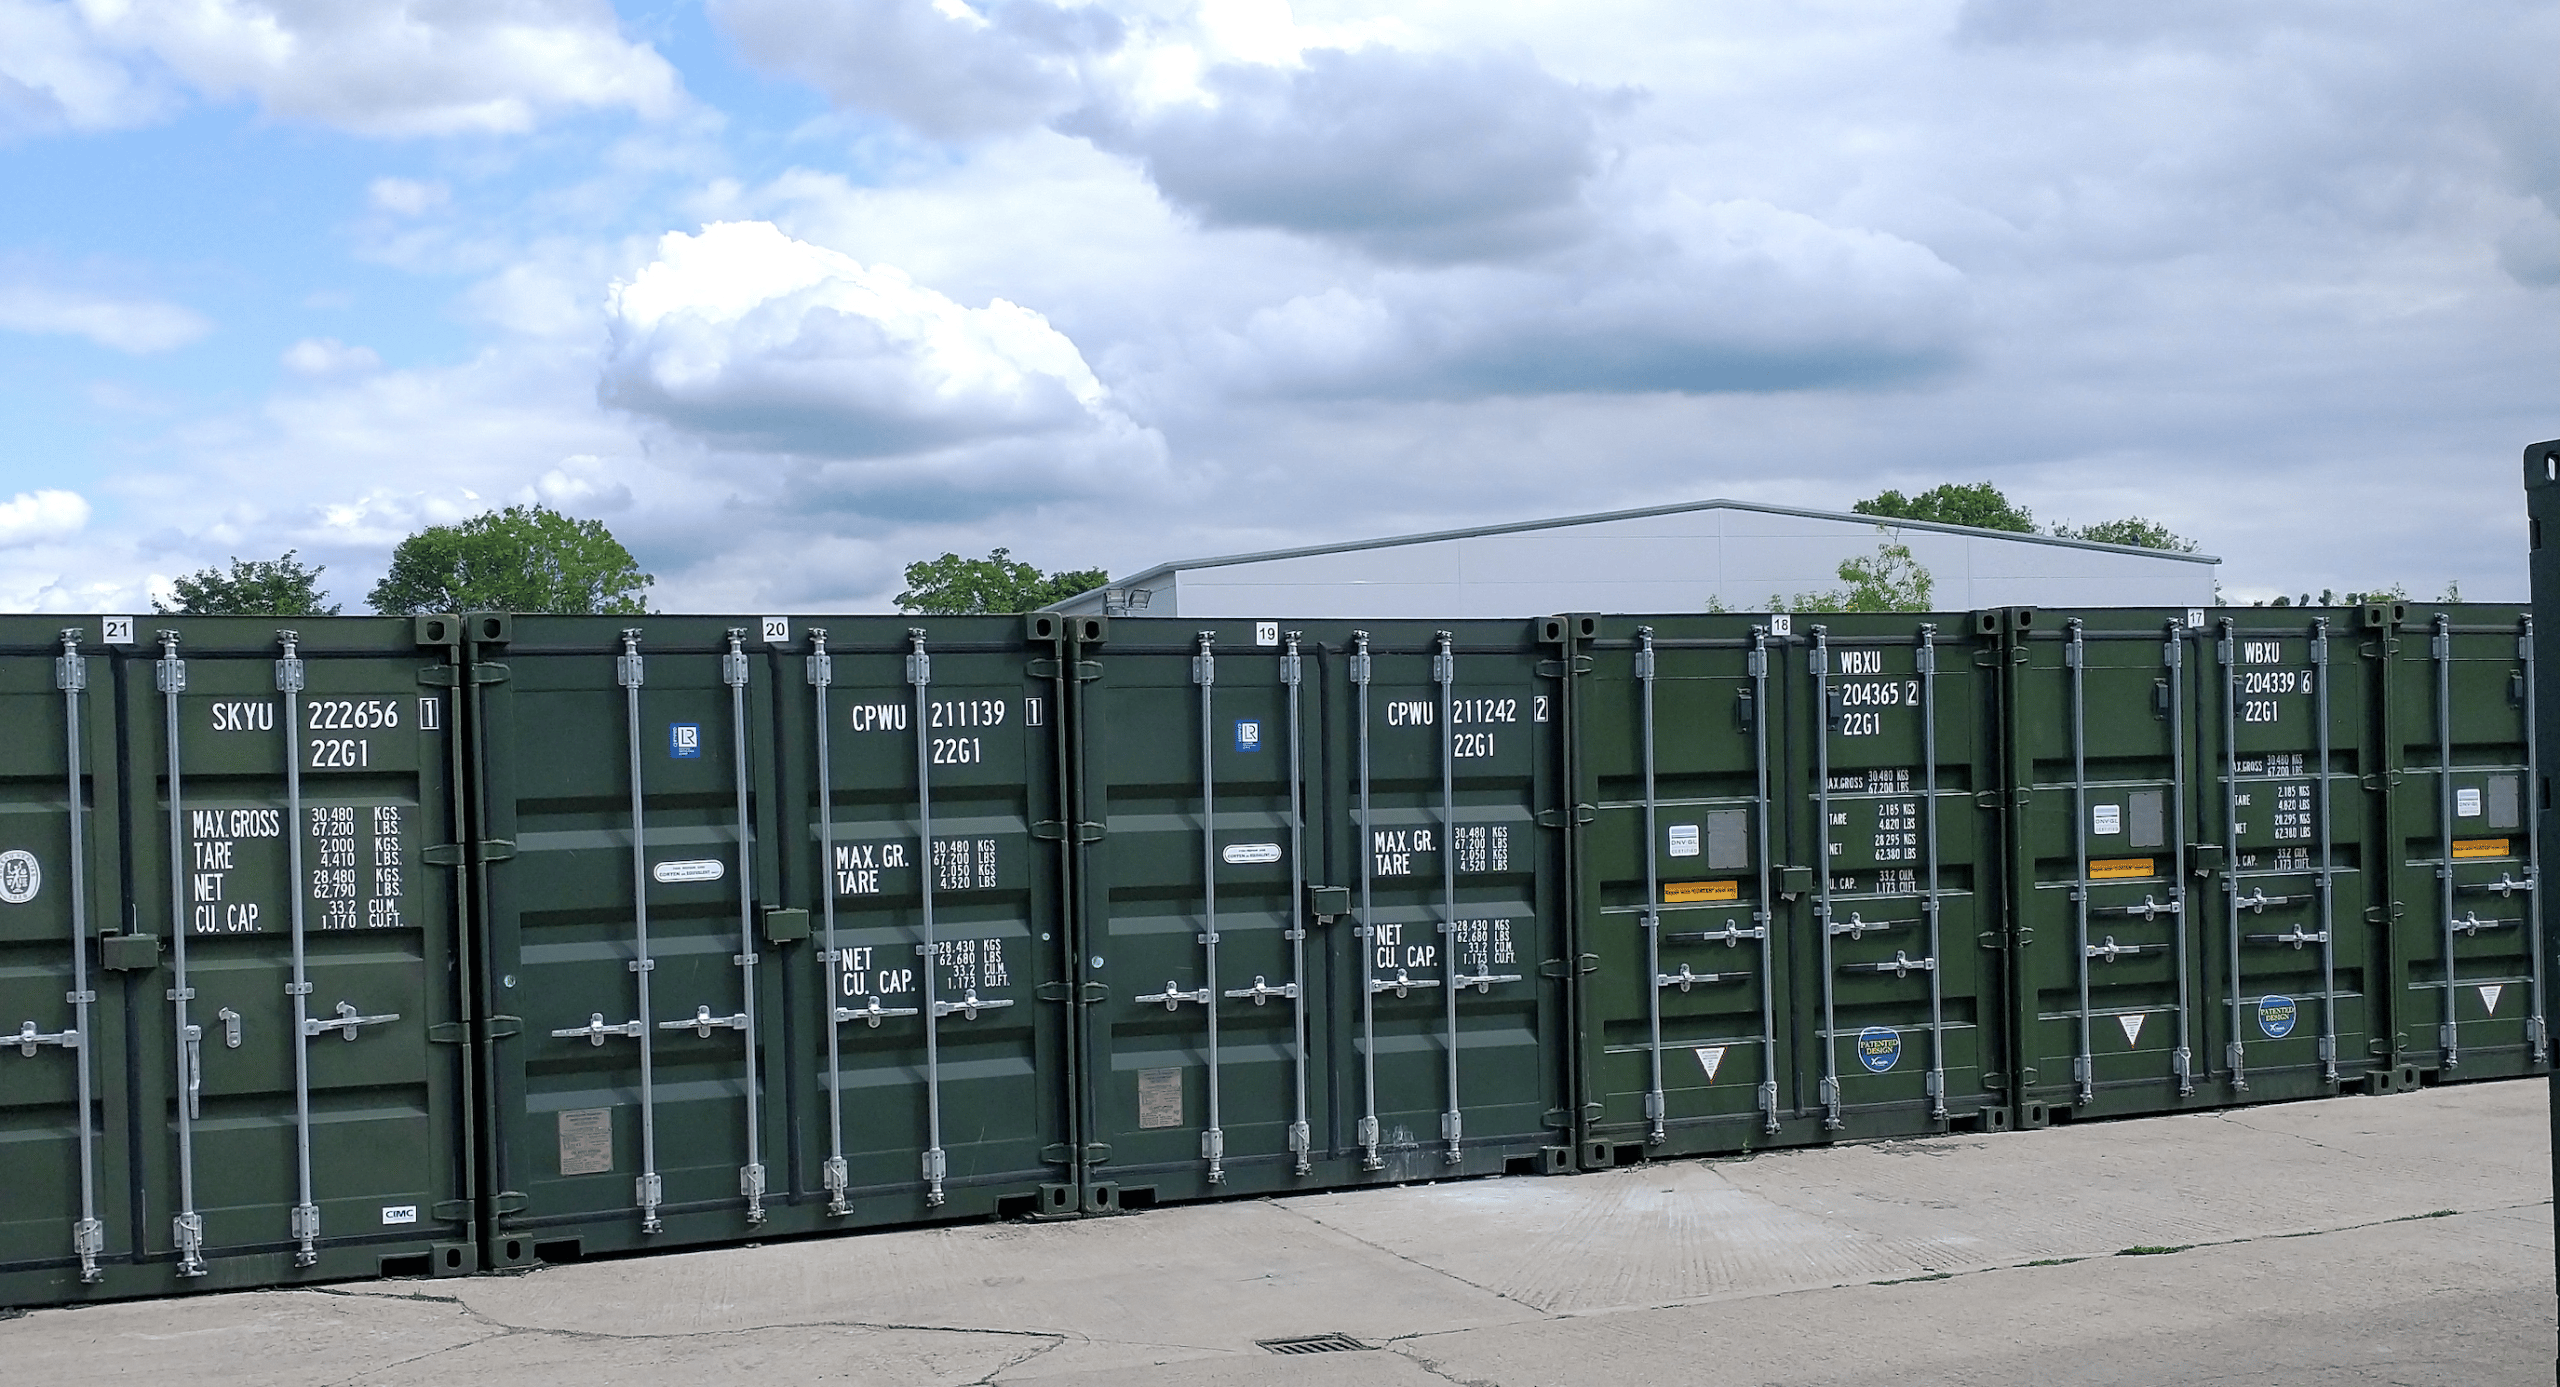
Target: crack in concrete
(1414, 1262)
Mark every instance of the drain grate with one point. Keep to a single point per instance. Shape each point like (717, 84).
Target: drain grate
(1315, 1343)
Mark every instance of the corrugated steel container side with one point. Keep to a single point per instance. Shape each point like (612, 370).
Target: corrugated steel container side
(2462, 761)
(1321, 904)
(1790, 887)
(775, 927)
(229, 937)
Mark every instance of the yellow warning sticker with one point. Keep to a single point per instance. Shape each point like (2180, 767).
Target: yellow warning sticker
(2118, 868)
(2480, 847)
(1692, 892)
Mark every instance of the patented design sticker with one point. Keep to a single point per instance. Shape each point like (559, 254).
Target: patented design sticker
(2276, 1016)
(1879, 1048)
(20, 877)
(689, 869)
(1245, 854)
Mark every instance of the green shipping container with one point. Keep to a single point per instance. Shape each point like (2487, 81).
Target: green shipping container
(1789, 909)
(2462, 763)
(230, 956)
(1321, 904)
(774, 925)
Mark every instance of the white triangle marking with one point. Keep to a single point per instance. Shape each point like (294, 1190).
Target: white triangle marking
(2132, 1023)
(2489, 997)
(1710, 1058)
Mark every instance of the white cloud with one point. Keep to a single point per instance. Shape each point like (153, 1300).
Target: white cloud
(126, 324)
(327, 356)
(32, 516)
(53, 76)
(952, 70)
(407, 197)
(751, 340)
(397, 67)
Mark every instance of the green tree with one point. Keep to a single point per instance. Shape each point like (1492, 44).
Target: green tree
(521, 559)
(251, 587)
(1888, 580)
(998, 584)
(1980, 505)
(2133, 530)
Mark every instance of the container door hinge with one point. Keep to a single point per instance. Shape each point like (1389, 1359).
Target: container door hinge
(489, 674)
(1093, 992)
(448, 1033)
(1097, 1152)
(1049, 829)
(1051, 992)
(1041, 669)
(509, 1202)
(451, 1210)
(1557, 1118)
(1557, 669)
(453, 855)
(1088, 670)
(1057, 1153)
(441, 676)
(1089, 833)
(2380, 914)
(500, 1026)
(1554, 968)
(1592, 1112)
(497, 849)
(2381, 780)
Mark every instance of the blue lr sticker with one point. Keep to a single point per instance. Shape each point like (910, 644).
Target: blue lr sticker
(1248, 735)
(2276, 1016)
(1879, 1048)
(684, 740)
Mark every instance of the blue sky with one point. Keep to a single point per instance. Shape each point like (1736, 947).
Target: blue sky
(793, 292)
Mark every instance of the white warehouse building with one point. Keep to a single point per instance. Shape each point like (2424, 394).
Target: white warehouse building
(1663, 559)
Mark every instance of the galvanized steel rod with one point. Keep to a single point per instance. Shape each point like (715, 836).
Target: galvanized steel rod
(2228, 651)
(2536, 1037)
(647, 1189)
(2328, 891)
(733, 671)
(1368, 933)
(1204, 672)
(1820, 659)
(2075, 656)
(88, 1235)
(836, 1175)
(1928, 654)
(1764, 908)
(1651, 920)
(1444, 668)
(306, 1211)
(1301, 1134)
(2451, 1034)
(2173, 651)
(935, 1164)
(187, 1228)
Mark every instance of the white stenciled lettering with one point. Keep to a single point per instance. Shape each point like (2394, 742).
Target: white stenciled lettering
(1861, 661)
(968, 712)
(2262, 652)
(1474, 710)
(244, 717)
(1411, 713)
(879, 717)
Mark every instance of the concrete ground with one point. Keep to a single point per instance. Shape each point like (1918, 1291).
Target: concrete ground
(2392, 1240)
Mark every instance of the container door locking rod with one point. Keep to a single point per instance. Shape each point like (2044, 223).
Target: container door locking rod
(1444, 671)
(821, 673)
(1301, 1140)
(1764, 912)
(1820, 663)
(1933, 902)
(306, 1210)
(2328, 859)
(733, 672)
(2227, 648)
(2173, 653)
(648, 1191)
(2536, 1039)
(88, 1235)
(1367, 932)
(1204, 672)
(2075, 657)
(1651, 920)
(187, 1228)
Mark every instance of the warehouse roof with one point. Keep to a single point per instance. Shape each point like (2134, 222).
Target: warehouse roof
(1560, 522)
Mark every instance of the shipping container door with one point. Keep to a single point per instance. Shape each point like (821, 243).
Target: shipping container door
(68, 1219)
(623, 771)
(306, 1107)
(1682, 1041)
(2105, 952)
(2284, 815)
(1199, 1066)
(1906, 940)
(1448, 754)
(934, 1064)
(2462, 682)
